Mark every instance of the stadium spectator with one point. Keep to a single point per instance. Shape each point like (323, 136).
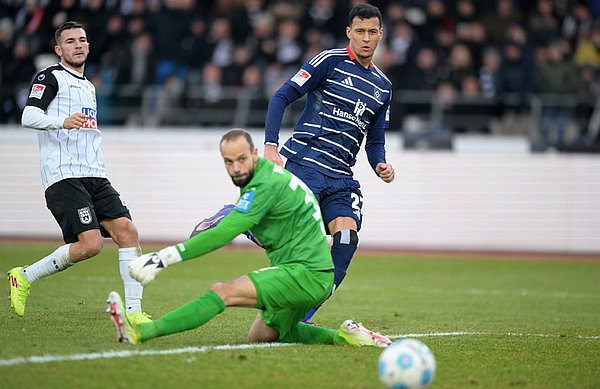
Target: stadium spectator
(244, 18)
(187, 33)
(220, 42)
(543, 23)
(280, 208)
(16, 78)
(402, 41)
(426, 73)
(347, 98)
(241, 59)
(289, 49)
(78, 193)
(461, 64)
(577, 24)
(137, 67)
(169, 26)
(588, 93)
(517, 74)
(326, 17)
(489, 73)
(497, 21)
(437, 20)
(587, 51)
(556, 75)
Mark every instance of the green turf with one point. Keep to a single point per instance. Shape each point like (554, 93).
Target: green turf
(505, 305)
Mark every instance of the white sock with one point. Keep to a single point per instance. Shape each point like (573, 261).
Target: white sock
(133, 289)
(53, 263)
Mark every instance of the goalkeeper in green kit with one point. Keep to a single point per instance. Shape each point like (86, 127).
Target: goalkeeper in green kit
(283, 214)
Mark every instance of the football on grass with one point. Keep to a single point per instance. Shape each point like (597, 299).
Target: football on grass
(406, 364)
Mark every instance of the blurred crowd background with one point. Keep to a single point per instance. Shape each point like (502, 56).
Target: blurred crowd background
(527, 67)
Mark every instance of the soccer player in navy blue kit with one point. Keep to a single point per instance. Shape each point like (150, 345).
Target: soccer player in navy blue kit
(348, 98)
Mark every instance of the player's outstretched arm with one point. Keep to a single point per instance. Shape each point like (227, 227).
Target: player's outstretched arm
(211, 222)
(272, 154)
(386, 172)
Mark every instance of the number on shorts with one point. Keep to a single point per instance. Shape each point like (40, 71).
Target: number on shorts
(356, 200)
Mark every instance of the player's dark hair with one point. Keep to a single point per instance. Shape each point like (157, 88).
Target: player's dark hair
(235, 133)
(364, 11)
(66, 26)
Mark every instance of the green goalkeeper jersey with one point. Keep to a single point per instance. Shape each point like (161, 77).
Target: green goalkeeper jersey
(281, 212)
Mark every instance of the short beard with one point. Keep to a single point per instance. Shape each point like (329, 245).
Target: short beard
(243, 183)
(73, 64)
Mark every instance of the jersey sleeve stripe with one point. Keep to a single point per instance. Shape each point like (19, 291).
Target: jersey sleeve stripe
(382, 74)
(331, 53)
(322, 54)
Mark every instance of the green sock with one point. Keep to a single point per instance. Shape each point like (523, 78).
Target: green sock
(186, 317)
(309, 334)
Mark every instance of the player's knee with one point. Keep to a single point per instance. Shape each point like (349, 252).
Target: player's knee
(258, 337)
(91, 247)
(126, 234)
(349, 237)
(262, 334)
(221, 289)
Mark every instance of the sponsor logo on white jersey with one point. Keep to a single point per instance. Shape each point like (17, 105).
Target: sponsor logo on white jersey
(90, 119)
(301, 77)
(37, 91)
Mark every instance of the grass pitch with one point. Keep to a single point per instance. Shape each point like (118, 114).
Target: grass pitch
(490, 323)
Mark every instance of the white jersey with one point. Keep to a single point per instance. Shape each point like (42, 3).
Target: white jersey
(57, 93)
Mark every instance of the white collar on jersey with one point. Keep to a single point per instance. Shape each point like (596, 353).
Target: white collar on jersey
(73, 72)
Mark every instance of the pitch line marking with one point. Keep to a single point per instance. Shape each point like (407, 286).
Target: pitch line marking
(48, 358)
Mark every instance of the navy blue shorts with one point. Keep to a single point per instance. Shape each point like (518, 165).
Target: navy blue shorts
(336, 196)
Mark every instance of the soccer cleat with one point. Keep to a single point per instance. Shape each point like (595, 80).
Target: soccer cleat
(357, 335)
(19, 290)
(139, 317)
(127, 332)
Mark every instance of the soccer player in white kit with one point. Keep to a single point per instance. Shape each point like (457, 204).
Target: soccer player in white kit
(62, 107)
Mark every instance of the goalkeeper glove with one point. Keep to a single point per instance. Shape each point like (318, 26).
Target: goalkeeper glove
(148, 266)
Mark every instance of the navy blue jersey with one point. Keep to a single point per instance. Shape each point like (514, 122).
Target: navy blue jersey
(345, 103)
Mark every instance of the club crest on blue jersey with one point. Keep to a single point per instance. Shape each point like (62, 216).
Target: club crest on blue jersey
(90, 118)
(244, 202)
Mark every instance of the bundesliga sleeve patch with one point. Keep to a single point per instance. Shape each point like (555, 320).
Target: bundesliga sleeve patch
(244, 202)
(37, 91)
(301, 77)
